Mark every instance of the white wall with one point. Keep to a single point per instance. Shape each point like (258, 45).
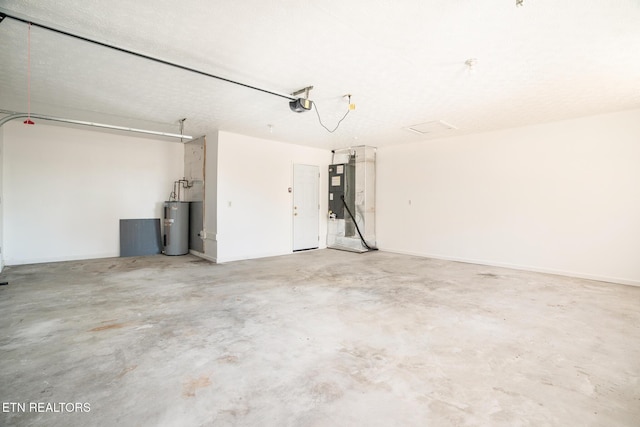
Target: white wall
(560, 197)
(254, 206)
(210, 218)
(65, 189)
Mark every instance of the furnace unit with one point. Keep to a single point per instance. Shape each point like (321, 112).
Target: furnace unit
(352, 200)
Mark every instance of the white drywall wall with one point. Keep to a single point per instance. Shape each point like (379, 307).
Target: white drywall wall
(560, 197)
(210, 215)
(254, 206)
(65, 189)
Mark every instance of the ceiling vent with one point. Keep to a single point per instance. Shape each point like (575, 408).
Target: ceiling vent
(432, 128)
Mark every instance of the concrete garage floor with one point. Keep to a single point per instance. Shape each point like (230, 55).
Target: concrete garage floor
(321, 338)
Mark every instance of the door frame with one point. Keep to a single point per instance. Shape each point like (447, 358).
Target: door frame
(293, 200)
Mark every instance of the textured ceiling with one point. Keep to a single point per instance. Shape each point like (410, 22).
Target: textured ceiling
(403, 62)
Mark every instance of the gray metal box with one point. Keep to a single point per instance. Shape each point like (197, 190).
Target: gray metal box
(140, 237)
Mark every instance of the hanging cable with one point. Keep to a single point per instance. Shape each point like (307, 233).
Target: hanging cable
(351, 107)
(364, 242)
(315, 107)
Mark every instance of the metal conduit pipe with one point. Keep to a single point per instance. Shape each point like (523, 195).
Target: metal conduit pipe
(92, 124)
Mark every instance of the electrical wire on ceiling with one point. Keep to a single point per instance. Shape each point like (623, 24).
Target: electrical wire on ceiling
(305, 104)
(315, 107)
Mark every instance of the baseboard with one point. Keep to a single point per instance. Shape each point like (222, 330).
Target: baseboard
(203, 256)
(608, 279)
(254, 256)
(11, 262)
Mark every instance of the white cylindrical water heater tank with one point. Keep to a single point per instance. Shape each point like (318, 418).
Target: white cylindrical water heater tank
(176, 228)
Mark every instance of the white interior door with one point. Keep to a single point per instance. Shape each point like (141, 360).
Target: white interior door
(306, 207)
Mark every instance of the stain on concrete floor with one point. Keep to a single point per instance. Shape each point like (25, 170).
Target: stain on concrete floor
(192, 384)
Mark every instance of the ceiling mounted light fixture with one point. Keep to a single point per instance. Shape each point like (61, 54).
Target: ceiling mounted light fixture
(519, 3)
(471, 64)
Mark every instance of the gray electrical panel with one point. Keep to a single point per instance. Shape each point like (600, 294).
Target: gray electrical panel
(341, 187)
(176, 228)
(336, 190)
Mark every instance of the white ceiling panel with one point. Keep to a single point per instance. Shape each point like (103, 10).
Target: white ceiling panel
(403, 62)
